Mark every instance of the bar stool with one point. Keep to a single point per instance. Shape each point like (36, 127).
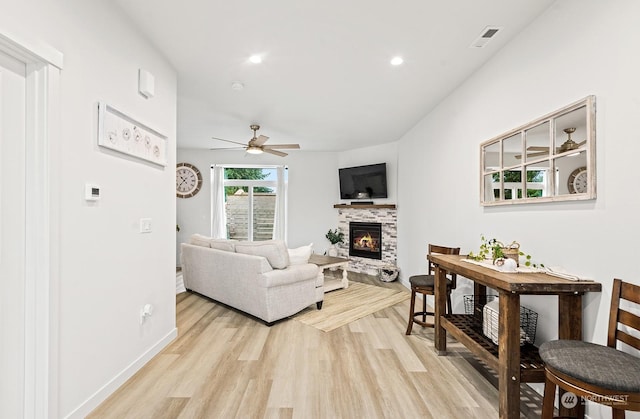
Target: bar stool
(425, 285)
(602, 374)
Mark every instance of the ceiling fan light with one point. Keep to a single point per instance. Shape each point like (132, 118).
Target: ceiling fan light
(254, 150)
(569, 145)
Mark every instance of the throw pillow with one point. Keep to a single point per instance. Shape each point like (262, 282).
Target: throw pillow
(300, 255)
(200, 240)
(274, 250)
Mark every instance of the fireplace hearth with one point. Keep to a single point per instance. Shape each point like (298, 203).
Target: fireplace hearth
(365, 240)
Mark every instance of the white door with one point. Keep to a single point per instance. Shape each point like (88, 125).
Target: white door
(12, 237)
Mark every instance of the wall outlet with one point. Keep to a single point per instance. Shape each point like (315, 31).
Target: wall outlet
(145, 312)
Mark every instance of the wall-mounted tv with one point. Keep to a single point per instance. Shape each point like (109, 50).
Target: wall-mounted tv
(363, 182)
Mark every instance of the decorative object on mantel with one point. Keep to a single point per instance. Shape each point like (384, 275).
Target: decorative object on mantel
(389, 273)
(334, 237)
(121, 133)
(499, 252)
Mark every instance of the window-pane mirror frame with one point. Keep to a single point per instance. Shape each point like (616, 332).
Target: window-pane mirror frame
(545, 176)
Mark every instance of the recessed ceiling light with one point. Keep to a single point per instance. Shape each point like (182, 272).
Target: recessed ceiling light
(256, 59)
(396, 61)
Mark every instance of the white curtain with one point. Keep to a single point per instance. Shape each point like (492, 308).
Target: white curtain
(488, 189)
(218, 213)
(280, 216)
(546, 191)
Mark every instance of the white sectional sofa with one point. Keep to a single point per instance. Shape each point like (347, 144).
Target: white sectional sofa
(257, 278)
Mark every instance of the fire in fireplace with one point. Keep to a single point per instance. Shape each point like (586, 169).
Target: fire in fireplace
(365, 240)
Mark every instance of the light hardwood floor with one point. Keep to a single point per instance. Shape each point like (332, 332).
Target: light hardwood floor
(225, 364)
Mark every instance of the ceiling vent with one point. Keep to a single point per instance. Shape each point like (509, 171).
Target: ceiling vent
(486, 35)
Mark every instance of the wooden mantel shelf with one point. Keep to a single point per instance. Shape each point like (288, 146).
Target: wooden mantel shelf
(364, 206)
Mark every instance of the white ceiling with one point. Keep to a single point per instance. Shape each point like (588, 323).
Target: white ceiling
(325, 81)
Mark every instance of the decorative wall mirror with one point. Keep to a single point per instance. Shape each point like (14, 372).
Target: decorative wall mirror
(549, 159)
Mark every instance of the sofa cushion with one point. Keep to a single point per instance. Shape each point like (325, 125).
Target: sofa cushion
(200, 240)
(275, 251)
(300, 255)
(223, 244)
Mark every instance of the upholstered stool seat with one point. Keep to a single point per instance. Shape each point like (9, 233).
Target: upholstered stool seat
(583, 361)
(426, 281)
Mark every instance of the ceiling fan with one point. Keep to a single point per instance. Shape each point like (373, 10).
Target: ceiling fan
(566, 146)
(256, 145)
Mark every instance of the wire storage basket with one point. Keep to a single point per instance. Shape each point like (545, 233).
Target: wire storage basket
(485, 309)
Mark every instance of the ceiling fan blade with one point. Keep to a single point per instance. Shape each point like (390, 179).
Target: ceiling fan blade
(529, 155)
(260, 140)
(291, 146)
(228, 148)
(537, 148)
(541, 153)
(229, 141)
(581, 143)
(276, 152)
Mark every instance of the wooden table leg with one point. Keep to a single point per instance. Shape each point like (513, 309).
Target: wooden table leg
(439, 310)
(570, 316)
(479, 300)
(509, 355)
(570, 327)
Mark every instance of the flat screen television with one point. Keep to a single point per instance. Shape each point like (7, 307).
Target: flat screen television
(363, 182)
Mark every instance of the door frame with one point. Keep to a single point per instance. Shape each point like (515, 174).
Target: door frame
(43, 65)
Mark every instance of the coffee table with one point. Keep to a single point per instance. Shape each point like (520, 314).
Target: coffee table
(325, 262)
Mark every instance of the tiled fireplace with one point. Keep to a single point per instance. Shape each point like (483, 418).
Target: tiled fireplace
(363, 260)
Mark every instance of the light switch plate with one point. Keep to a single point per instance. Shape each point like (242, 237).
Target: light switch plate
(146, 83)
(145, 225)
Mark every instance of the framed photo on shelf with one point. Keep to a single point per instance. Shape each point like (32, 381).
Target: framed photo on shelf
(119, 132)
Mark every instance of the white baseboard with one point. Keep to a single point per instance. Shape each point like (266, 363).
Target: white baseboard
(101, 395)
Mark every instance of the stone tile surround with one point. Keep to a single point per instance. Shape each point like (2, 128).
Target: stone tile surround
(388, 218)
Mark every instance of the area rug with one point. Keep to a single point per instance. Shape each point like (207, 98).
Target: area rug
(343, 306)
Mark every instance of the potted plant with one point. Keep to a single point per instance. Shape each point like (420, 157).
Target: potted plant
(334, 237)
(494, 249)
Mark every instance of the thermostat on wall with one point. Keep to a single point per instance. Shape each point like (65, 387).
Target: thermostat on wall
(91, 192)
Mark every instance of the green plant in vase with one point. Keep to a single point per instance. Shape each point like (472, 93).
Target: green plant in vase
(335, 236)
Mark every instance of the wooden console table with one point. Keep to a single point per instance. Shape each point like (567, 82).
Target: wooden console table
(513, 365)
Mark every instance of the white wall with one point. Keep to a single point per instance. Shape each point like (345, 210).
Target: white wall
(313, 190)
(107, 269)
(576, 48)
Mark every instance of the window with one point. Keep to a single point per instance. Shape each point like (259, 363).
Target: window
(536, 184)
(254, 202)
